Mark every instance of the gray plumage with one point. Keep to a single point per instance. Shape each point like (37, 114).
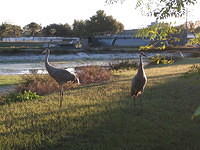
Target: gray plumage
(60, 75)
(139, 81)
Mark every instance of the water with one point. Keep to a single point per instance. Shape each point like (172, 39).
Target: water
(33, 63)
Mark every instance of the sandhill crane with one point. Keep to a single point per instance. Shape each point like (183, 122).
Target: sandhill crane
(60, 75)
(139, 81)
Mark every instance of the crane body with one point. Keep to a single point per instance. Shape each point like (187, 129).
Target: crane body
(61, 76)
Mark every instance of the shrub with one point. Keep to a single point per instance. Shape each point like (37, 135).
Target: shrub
(195, 40)
(41, 84)
(123, 64)
(92, 74)
(158, 59)
(20, 97)
(44, 84)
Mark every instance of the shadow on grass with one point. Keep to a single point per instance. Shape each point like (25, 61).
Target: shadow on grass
(112, 124)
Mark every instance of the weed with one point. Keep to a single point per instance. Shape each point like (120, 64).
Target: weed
(20, 97)
(193, 70)
(158, 59)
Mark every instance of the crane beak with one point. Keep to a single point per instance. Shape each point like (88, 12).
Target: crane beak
(143, 54)
(44, 52)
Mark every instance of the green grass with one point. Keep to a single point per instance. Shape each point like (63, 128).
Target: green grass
(6, 80)
(101, 116)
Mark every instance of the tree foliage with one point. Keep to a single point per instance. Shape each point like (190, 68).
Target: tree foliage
(57, 30)
(79, 28)
(9, 30)
(197, 30)
(100, 23)
(32, 28)
(160, 31)
(161, 9)
(163, 32)
(196, 40)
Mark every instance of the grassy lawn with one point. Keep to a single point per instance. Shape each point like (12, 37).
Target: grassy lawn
(101, 116)
(6, 80)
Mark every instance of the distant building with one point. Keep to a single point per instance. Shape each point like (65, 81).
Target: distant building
(39, 39)
(153, 23)
(48, 41)
(127, 33)
(127, 38)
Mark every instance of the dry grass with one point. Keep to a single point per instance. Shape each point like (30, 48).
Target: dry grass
(93, 74)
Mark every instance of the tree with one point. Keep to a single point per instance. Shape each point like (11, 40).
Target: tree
(197, 30)
(79, 28)
(32, 28)
(161, 32)
(57, 30)
(161, 9)
(196, 40)
(101, 24)
(9, 30)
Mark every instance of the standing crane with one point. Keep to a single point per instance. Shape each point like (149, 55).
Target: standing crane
(60, 75)
(139, 81)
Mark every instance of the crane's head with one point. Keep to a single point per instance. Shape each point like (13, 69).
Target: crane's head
(46, 51)
(142, 54)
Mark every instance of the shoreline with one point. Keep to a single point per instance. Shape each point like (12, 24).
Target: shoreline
(68, 50)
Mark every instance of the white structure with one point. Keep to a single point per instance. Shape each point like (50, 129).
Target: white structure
(40, 39)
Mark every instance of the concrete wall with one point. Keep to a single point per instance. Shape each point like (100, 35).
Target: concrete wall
(129, 42)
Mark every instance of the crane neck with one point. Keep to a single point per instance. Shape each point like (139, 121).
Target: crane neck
(47, 58)
(141, 63)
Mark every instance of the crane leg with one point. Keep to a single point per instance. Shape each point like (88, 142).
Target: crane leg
(61, 95)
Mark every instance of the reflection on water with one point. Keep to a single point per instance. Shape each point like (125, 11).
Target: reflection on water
(26, 64)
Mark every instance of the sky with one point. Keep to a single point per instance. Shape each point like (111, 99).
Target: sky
(45, 12)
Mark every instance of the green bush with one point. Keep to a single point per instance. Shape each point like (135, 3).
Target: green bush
(20, 97)
(158, 59)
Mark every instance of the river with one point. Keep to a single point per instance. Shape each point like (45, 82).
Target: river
(25, 63)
